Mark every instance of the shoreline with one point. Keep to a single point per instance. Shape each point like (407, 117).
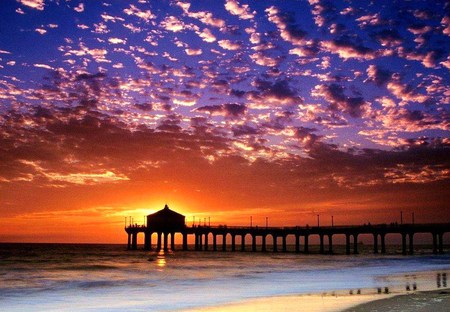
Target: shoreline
(433, 300)
(436, 300)
(406, 291)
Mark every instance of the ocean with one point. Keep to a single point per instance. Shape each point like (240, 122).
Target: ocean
(82, 277)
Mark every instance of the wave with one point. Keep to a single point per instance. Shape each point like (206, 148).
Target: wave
(90, 267)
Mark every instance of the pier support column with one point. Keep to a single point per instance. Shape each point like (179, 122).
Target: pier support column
(441, 243)
(243, 242)
(297, 243)
(148, 241)
(206, 241)
(214, 242)
(284, 243)
(172, 241)
(224, 242)
(435, 244)
(185, 244)
(404, 243)
(158, 246)
(347, 244)
(355, 244)
(196, 242)
(383, 243)
(134, 241)
(330, 243)
(200, 242)
(411, 243)
(129, 241)
(253, 242)
(275, 246)
(375, 243)
(306, 244)
(233, 242)
(166, 248)
(321, 244)
(263, 247)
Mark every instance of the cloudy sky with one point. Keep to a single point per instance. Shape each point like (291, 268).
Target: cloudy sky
(224, 109)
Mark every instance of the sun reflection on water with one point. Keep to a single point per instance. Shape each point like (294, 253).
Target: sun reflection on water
(161, 259)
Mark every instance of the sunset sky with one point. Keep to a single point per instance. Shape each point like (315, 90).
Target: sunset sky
(224, 109)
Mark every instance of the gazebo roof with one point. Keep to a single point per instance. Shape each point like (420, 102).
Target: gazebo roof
(166, 212)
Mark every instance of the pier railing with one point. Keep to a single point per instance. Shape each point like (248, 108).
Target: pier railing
(301, 234)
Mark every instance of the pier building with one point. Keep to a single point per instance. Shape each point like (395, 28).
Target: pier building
(166, 223)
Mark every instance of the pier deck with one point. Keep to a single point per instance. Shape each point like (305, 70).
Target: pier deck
(223, 236)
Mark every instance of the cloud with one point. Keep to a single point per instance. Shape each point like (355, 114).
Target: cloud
(79, 8)
(243, 12)
(347, 50)
(173, 24)
(203, 16)
(446, 25)
(87, 178)
(41, 31)
(74, 178)
(264, 60)
(117, 41)
(288, 31)
(34, 4)
(166, 108)
(306, 136)
(378, 75)
(405, 92)
(193, 51)
(43, 66)
(146, 15)
(418, 175)
(334, 95)
(277, 93)
(229, 45)
(369, 20)
(227, 110)
(207, 35)
(323, 11)
(389, 37)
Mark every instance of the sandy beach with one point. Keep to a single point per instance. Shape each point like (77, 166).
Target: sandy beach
(436, 301)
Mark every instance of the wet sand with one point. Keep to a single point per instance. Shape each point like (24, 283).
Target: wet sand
(292, 303)
(436, 301)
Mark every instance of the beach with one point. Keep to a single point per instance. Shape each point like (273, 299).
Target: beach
(64, 277)
(436, 301)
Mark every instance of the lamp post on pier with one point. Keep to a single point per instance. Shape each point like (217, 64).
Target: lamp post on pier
(318, 220)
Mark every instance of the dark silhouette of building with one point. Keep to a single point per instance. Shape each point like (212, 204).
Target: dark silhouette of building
(166, 220)
(166, 223)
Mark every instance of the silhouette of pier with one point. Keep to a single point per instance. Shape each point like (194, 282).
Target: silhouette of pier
(166, 223)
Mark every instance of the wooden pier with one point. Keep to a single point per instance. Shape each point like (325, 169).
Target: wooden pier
(166, 223)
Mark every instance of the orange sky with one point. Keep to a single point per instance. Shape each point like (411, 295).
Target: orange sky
(223, 110)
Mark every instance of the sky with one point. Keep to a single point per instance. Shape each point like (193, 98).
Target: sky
(225, 110)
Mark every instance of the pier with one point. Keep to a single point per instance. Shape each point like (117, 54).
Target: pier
(166, 223)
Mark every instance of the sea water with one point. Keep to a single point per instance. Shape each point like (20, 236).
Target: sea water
(55, 277)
